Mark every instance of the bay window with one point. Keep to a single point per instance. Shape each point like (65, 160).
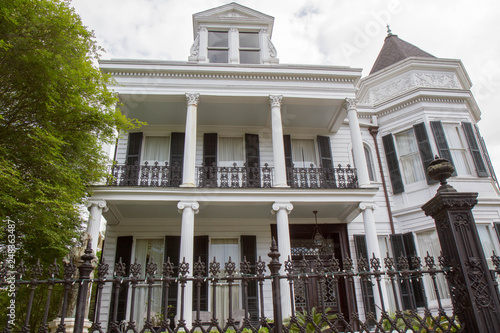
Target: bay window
(409, 157)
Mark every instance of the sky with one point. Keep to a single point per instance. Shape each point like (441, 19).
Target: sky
(322, 32)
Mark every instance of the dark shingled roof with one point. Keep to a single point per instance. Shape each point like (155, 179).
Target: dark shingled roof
(395, 50)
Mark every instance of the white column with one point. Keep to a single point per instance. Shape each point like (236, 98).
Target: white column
(278, 145)
(373, 248)
(234, 46)
(189, 166)
(96, 208)
(188, 210)
(357, 142)
(282, 209)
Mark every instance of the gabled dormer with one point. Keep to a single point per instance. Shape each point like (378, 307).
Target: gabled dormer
(233, 34)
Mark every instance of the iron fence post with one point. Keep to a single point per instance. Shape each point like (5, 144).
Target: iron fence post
(473, 292)
(85, 270)
(274, 267)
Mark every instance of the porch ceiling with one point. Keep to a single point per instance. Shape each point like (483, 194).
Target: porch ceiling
(234, 111)
(131, 211)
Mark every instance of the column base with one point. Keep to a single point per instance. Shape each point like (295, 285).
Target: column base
(281, 186)
(187, 185)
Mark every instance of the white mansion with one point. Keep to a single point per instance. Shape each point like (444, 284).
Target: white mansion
(239, 149)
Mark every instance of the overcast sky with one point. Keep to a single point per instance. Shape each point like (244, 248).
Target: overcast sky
(327, 32)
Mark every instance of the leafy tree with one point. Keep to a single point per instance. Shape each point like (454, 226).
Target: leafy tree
(55, 114)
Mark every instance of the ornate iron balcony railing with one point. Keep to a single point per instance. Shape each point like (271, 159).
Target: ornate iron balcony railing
(235, 176)
(322, 177)
(154, 174)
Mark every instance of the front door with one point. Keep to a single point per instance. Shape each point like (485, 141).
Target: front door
(314, 291)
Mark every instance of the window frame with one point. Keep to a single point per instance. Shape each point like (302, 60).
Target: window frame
(230, 163)
(465, 151)
(218, 48)
(249, 49)
(143, 149)
(418, 160)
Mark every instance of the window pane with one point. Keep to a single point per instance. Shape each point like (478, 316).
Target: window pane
(217, 39)
(231, 151)
(249, 57)
(146, 251)
(457, 146)
(218, 56)
(303, 153)
(249, 40)
(409, 157)
(156, 149)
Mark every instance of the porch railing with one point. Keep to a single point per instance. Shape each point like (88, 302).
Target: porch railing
(313, 177)
(149, 174)
(235, 176)
(326, 277)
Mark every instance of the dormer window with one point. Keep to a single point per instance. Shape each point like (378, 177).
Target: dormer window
(249, 48)
(218, 47)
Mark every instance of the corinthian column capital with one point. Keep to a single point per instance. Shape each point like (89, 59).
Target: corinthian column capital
(99, 203)
(188, 204)
(350, 103)
(192, 98)
(282, 205)
(275, 100)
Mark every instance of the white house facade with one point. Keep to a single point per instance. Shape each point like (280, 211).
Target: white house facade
(239, 149)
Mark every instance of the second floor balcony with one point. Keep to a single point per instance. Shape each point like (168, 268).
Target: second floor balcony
(164, 175)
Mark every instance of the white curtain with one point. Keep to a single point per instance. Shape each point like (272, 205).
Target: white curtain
(385, 250)
(156, 149)
(148, 250)
(457, 149)
(231, 151)
(303, 153)
(222, 250)
(428, 242)
(413, 170)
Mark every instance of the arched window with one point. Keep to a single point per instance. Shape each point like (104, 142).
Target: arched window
(369, 163)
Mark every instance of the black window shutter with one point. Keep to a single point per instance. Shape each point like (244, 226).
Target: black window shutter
(366, 288)
(252, 159)
(497, 229)
(393, 164)
(287, 141)
(398, 248)
(474, 149)
(416, 284)
(176, 158)
(486, 155)
(210, 149)
(200, 252)
(325, 152)
(442, 144)
(172, 252)
(134, 148)
(249, 251)
(123, 252)
(424, 147)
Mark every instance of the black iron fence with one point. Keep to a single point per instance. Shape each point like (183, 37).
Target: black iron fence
(316, 287)
(313, 177)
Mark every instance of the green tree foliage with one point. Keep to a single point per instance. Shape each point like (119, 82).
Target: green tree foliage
(55, 114)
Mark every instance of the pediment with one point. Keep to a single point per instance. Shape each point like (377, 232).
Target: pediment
(232, 14)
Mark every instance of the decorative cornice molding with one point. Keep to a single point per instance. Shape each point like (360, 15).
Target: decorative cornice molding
(350, 104)
(100, 203)
(195, 48)
(192, 98)
(195, 206)
(275, 100)
(281, 205)
(225, 76)
(421, 99)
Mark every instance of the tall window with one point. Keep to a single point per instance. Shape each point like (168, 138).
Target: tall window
(156, 149)
(249, 48)
(456, 144)
(218, 47)
(428, 243)
(409, 157)
(231, 150)
(303, 153)
(146, 251)
(222, 249)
